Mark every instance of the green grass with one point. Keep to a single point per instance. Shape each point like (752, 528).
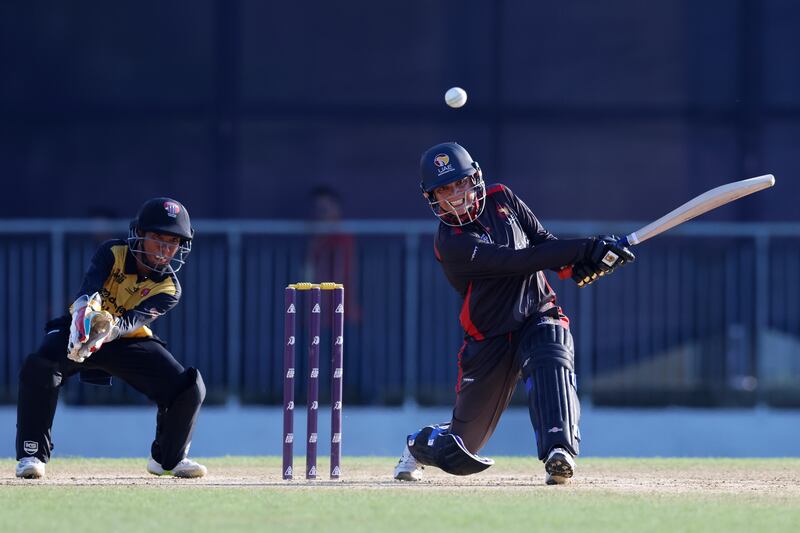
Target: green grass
(246, 494)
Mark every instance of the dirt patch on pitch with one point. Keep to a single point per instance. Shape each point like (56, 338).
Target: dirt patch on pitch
(773, 478)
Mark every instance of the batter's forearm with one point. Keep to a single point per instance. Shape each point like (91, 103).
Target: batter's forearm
(491, 261)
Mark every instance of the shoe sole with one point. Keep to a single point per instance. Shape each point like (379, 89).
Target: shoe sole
(406, 476)
(556, 480)
(559, 468)
(183, 475)
(189, 475)
(30, 475)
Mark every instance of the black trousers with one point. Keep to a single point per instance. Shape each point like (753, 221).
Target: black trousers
(143, 363)
(488, 374)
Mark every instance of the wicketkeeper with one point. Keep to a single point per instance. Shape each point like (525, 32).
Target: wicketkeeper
(106, 332)
(493, 251)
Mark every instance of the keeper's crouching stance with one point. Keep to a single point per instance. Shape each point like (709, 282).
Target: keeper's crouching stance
(106, 333)
(493, 251)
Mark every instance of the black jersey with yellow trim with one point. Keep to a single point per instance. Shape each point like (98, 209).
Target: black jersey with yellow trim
(496, 264)
(136, 300)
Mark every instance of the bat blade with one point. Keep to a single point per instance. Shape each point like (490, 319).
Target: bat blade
(708, 201)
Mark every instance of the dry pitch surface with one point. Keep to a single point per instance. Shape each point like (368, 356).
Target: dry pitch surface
(768, 478)
(246, 494)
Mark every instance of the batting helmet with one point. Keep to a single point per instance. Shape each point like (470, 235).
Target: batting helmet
(164, 215)
(447, 163)
(167, 217)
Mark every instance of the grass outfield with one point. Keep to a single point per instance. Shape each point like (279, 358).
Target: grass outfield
(247, 494)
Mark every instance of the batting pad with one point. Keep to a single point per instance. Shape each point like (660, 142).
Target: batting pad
(550, 382)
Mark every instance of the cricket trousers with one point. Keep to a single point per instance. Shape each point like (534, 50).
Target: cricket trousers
(144, 363)
(489, 371)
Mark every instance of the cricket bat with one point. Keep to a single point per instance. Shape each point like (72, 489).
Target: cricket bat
(709, 200)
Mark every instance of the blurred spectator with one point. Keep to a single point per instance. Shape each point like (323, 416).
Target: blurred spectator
(332, 255)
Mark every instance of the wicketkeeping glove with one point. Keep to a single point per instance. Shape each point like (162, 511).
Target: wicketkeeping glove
(90, 327)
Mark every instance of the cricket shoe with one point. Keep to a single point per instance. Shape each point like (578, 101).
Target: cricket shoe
(560, 467)
(407, 468)
(30, 468)
(186, 468)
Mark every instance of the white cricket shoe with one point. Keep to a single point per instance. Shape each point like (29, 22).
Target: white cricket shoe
(407, 468)
(560, 467)
(186, 468)
(30, 468)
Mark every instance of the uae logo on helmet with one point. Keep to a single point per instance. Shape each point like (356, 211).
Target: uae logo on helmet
(172, 209)
(442, 164)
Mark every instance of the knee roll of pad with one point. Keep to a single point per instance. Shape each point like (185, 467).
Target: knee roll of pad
(550, 333)
(550, 380)
(436, 446)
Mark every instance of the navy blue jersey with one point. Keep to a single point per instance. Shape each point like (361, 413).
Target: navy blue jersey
(496, 264)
